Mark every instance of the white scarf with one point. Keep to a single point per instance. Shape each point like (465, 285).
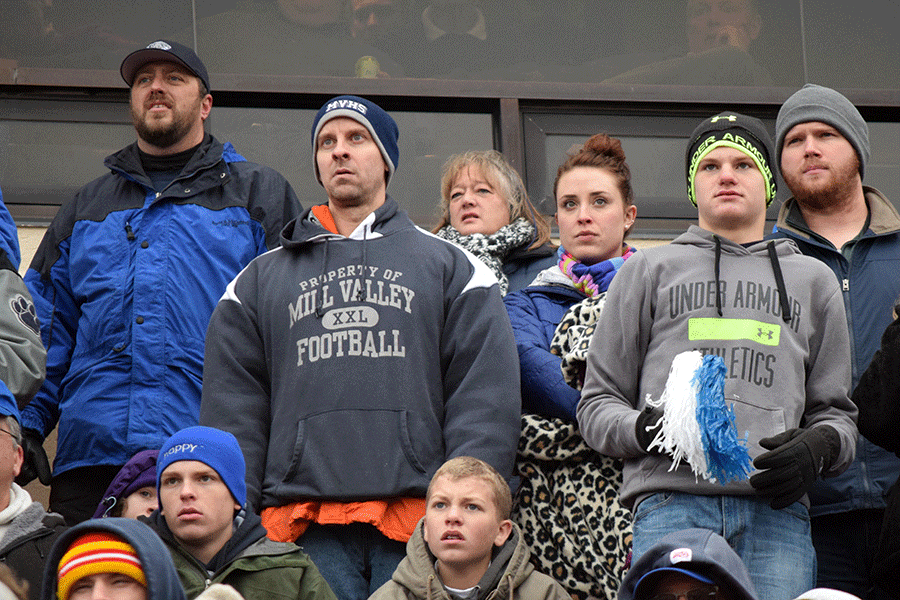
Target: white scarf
(19, 500)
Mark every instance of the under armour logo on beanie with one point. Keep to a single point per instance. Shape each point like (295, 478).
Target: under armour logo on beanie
(734, 130)
(213, 447)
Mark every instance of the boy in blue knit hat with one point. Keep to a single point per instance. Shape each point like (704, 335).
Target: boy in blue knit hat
(212, 537)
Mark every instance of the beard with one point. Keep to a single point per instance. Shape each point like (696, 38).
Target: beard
(164, 134)
(828, 192)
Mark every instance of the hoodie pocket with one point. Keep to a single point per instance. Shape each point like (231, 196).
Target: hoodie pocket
(755, 422)
(355, 453)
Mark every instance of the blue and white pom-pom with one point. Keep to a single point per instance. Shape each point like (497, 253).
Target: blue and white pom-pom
(697, 425)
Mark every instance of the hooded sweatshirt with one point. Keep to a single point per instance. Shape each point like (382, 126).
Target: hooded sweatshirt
(162, 580)
(510, 575)
(350, 368)
(781, 374)
(257, 567)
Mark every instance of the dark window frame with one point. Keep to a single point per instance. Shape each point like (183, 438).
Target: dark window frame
(508, 102)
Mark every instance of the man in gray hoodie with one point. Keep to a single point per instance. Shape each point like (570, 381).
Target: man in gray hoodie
(774, 317)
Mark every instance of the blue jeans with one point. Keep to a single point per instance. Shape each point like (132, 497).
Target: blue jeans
(354, 559)
(775, 545)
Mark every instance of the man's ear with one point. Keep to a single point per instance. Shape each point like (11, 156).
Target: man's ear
(20, 458)
(205, 106)
(503, 533)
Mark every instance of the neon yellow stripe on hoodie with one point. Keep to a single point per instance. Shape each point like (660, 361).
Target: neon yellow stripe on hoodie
(752, 330)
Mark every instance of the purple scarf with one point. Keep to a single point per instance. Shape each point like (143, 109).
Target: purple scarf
(593, 279)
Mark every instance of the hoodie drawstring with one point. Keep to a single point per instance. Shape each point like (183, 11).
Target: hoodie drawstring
(718, 260)
(776, 269)
(779, 281)
(320, 301)
(362, 280)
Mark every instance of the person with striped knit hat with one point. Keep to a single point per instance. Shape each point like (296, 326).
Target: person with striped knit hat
(112, 559)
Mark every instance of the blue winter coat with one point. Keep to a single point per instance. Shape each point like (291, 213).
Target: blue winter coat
(22, 355)
(522, 265)
(534, 313)
(125, 281)
(870, 279)
(9, 235)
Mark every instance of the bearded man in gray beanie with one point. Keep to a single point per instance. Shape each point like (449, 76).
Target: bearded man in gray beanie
(822, 145)
(356, 359)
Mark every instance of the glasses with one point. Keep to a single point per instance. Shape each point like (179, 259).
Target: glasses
(707, 592)
(10, 434)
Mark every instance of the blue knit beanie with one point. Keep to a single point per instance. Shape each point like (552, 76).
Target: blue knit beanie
(816, 103)
(216, 448)
(380, 124)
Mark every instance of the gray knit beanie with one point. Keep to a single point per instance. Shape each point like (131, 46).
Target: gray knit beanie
(816, 103)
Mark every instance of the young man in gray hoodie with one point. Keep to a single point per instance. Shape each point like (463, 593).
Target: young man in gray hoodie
(774, 317)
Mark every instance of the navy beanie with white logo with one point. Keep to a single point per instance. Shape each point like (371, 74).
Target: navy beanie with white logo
(213, 447)
(379, 124)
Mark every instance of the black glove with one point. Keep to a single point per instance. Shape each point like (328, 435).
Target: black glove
(650, 418)
(35, 463)
(795, 460)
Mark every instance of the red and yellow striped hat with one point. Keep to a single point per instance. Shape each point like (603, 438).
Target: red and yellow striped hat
(97, 552)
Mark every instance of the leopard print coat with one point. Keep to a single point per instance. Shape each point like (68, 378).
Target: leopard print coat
(568, 503)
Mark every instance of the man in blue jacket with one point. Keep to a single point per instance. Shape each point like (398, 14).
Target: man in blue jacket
(822, 143)
(128, 274)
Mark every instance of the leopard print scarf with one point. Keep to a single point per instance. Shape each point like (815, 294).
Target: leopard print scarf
(492, 249)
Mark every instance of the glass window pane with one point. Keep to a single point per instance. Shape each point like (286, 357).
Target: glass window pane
(94, 34)
(759, 43)
(50, 149)
(287, 38)
(655, 147)
(280, 138)
(883, 168)
(853, 47)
